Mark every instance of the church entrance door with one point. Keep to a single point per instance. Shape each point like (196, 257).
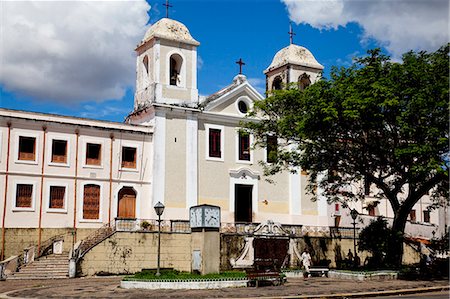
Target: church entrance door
(243, 203)
(127, 203)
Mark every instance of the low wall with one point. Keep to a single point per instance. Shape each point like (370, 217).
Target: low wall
(334, 250)
(17, 239)
(130, 252)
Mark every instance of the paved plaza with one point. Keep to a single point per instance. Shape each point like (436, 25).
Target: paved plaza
(108, 287)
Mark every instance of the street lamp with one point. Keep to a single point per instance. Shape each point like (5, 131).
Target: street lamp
(159, 209)
(354, 214)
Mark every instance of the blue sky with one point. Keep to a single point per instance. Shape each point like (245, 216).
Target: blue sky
(77, 58)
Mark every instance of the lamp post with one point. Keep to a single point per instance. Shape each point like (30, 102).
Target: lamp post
(354, 215)
(159, 209)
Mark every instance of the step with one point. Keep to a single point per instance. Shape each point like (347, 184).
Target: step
(47, 262)
(42, 270)
(49, 266)
(14, 277)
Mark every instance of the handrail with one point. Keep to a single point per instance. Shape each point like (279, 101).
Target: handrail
(20, 258)
(94, 238)
(47, 243)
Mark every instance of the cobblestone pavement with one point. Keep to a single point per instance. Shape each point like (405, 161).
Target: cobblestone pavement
(108, 287)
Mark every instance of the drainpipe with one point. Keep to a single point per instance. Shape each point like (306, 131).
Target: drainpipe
(110, 177)
(77, 132)
(44, 128)
(6, 191)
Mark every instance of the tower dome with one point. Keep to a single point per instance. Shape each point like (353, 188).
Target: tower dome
(170, 30)
(166, 65)
(295, 55)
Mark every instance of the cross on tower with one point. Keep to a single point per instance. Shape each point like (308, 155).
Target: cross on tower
(167, 5)
(241, 63)
(291, 33)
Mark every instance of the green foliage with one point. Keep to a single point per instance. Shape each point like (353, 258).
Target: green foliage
(440, 245)
(145, 225)
(374, 238)
(177, 275)
(380, 121)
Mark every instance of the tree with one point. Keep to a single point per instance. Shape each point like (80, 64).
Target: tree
(377, 121)
(373, 238)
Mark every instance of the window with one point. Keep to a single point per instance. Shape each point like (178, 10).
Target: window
(59, 151)
(145, 62)
(412, 215)
(303, 82)
(215, 143)
(93, 154)
(272, 149)
(27, 148)
(426, 216)
(276, 85)
(242, 106)
(91, 202)
(24, 195)
(244, 146)
(175, 67)
(128, 157)
(371, 210)
(366, 186)
(57, 196)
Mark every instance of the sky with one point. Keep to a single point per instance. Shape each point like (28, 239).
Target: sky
(77, 58)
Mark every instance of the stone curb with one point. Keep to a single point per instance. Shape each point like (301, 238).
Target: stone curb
(359, 295)
(182, 285)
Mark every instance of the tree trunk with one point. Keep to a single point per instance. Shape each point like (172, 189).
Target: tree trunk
(395, 243)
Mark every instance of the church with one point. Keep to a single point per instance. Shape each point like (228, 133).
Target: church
(71, 176)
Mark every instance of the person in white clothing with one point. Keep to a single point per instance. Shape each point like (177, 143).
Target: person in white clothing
(306, 260)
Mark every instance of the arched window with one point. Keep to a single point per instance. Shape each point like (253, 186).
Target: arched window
(175, 68)
(145, 62)
(276, 85)
(303, 82)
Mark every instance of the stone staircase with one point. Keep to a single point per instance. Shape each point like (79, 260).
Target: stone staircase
(94, 239)
(53, 266)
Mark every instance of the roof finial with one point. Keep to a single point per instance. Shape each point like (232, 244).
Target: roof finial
(167, 5)
(291, 33)
(241, 63)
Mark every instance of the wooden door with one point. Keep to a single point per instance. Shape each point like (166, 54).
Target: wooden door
(91, 202)
(127, 203)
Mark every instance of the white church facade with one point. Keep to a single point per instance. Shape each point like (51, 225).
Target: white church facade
(63, 173)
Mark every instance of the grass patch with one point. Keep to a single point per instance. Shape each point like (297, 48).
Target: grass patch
(177, 275)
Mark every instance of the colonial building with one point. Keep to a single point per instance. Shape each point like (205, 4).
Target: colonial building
(61, 174)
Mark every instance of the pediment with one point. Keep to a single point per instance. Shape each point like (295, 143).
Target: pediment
(233, 99)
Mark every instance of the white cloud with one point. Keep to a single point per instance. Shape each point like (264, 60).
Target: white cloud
(398, 25)
(94, 112)
(259, 84)
(199, 62)
(70, 51)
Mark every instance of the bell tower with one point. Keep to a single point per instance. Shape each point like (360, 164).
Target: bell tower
(166, 65)
(292, 65)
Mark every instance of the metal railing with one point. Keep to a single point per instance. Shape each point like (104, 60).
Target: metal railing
(93, 239)
(151, 225)
(343, 232)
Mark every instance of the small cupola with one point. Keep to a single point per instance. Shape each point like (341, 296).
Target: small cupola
(166, 65)
(292, 65)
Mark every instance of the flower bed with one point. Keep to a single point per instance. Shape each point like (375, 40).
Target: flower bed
(171, 279)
